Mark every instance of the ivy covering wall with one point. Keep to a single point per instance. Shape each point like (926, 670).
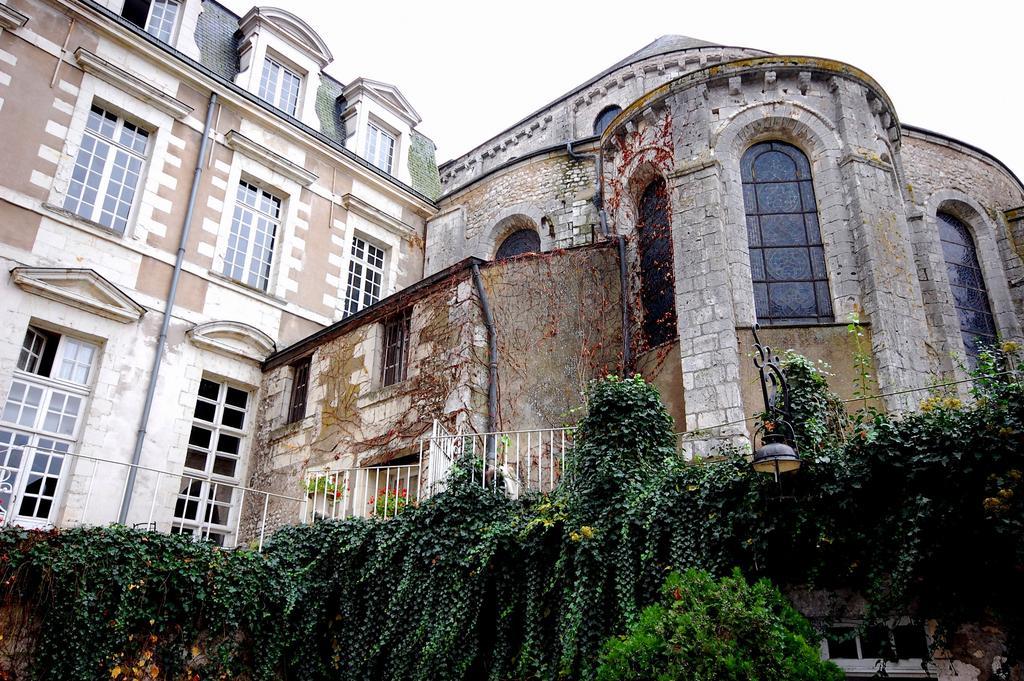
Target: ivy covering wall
(922, 514)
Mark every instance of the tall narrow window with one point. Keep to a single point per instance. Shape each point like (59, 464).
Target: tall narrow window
(396, 349)
(365, 276)
(107, 170)
(380, 148)
(280, 86)
(40, 422)
(300, 388)
(157, 17)
(787, 261)
(254, 226)
(213, 463)
(657, 279)
(977, 327)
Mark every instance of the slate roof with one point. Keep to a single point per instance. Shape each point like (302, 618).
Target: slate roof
(217, 37)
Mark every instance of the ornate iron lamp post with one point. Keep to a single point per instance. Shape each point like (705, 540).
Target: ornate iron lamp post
(777, 453)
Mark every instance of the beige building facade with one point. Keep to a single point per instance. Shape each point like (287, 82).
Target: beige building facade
(301, 210)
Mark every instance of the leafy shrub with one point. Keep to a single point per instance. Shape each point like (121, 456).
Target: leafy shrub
(707, 629)
(920, 513)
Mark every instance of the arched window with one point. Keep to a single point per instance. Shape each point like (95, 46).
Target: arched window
(967, 283)
(787, 261)
(657, 281)
(517, 243)
(604, 118)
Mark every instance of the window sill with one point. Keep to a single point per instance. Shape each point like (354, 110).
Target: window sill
(799, 325)
(288, 429)
(82, 223)
(382, 394)
(242, 287)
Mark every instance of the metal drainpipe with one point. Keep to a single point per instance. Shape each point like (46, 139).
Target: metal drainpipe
(627, 357)
(492, 361)
(158, 356)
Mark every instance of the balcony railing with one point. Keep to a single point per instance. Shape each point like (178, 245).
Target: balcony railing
(88, 491)
(516, 461)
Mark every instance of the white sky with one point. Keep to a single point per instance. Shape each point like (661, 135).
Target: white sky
(473, 69)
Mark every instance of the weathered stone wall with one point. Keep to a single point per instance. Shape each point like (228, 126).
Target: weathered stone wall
(352, 420)
(549, 347)
(832, 347)
(552, 194)
(557, 318)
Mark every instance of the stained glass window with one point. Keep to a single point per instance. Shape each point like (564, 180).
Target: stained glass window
(787, 260)
(657, 281)
(518, 243)
(967, 284)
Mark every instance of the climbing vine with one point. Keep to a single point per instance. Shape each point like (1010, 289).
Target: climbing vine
(923, 517)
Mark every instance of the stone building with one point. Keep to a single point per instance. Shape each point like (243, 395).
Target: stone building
(240, 293)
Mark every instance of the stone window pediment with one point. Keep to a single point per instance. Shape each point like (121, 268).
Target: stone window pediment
(11, 18)
(289, 28)
(234, 339)
(386, 95)
(80, 288)
(133, 85)
(269, 158)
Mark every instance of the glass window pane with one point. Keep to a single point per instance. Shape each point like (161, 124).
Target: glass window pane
(787, 264)
(228, 444)
(200, 437)
(842, 643)
(778, 198)
(209, 389)
(792, 301)
(225, 466)
(773, 166)
(911, 642)
(206, 411)
(783, 230)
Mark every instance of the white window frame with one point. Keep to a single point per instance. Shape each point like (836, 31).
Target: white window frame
(272, 88)
(863, 667)
(241, 260)
(202, 491)
(37, 446)
(375, 134)
(365, 258)
(75, 199)
(152, 29)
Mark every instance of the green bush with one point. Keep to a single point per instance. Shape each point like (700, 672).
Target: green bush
(707, 629)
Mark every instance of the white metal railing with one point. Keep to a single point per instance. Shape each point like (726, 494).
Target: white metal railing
(520, 461)
(88, 490)
(373, 492)
(517, 461)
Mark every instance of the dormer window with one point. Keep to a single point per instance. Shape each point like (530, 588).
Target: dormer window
(157, 17)
(280, 86)
(380, 148)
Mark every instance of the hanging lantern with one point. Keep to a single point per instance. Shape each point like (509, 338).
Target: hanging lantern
(777, 453)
